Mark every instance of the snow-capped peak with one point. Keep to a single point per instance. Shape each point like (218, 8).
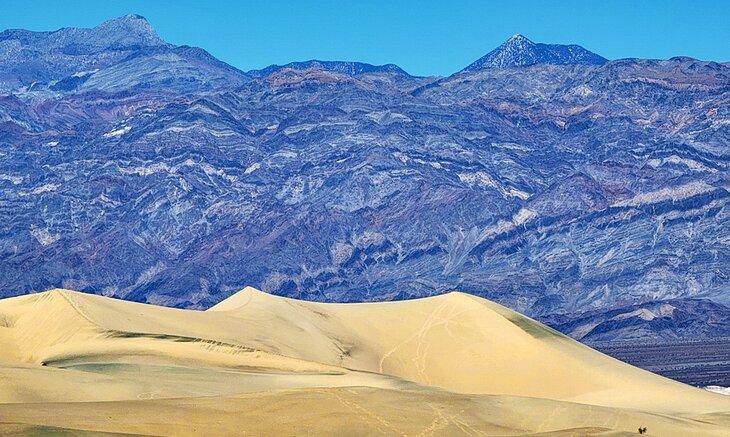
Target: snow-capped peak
(520, 51)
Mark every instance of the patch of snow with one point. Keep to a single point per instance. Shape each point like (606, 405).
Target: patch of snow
(174, 129)
(84, 73)
(285, 154)
(252, 168)
(340, 252)
(148, 170)
(674, 194)
(510, 146)
(210, 170)
(14, 179)
(299, 128)
(523, 215)
(104, 199)
(720, 123)
(479, 178)
(368, 238)
(202, 108)
(583, 91)
(293, 190)
(608, 256)
(387, 117)
(673, 215)
(483, 179)
(43, 236)
(514, 192)
(118, 132)
(717, 389)
(402, 157)
(305, 127)
(643, 314)
(218, 133)
(44, 189)
(674, 159)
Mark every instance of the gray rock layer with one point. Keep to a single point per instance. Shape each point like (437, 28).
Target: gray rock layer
(137, 169)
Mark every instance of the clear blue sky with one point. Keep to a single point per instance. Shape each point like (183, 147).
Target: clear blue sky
(424, 37)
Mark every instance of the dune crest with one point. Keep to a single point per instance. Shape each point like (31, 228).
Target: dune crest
(449, 348)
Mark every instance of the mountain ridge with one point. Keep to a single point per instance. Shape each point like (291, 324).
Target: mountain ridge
(519, 51)
(349, 68)
(66, 59)
(130, 30)
(168, 177)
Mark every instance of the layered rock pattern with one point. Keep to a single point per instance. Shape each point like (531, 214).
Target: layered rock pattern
(137, 169)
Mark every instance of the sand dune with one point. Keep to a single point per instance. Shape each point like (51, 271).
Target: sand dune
(264, 365)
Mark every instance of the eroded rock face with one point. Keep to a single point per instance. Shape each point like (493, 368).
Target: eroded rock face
(157, 173)
(673, 319)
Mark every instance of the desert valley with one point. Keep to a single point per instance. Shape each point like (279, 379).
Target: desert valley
(495, 237)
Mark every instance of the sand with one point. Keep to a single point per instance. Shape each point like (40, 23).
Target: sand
(257, 364)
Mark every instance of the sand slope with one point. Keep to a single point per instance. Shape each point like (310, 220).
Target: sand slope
(448, 365)
(464, 344)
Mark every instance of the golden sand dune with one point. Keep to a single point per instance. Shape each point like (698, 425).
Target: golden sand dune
(258, 364)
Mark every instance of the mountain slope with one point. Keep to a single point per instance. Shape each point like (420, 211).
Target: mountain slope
(656, 320)
(519, 51)
(167, 177)
(118, 54)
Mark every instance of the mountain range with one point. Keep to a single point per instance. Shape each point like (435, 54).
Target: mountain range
(344, 67)
(571, 188)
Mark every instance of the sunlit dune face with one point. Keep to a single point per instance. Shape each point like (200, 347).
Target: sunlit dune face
(456, 364)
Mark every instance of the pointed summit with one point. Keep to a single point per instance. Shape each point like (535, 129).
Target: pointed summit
(518, 37)
(519, 51)
(132, 17)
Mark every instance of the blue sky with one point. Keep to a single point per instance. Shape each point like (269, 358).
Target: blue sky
(424, 37)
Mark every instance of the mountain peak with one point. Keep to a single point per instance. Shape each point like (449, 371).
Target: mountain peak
(130, 29)
(520, 51)
(518, 37)
(132, 17)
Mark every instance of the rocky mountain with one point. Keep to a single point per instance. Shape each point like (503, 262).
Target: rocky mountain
(656, 320)
(116, 55)
(344, 67)
(519, 51)
(146, 171)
